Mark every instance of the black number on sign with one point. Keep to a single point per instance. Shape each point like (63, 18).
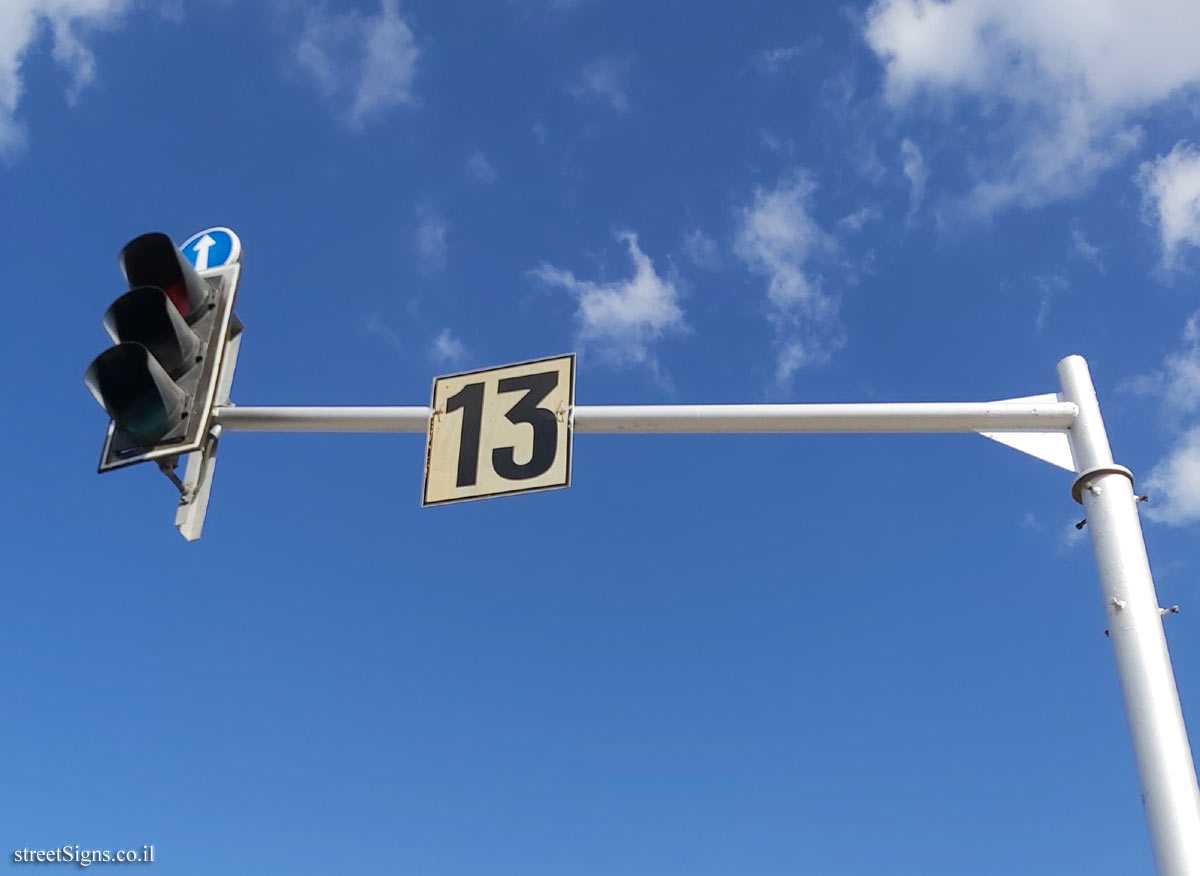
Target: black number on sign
(470, 400)
(543, 421)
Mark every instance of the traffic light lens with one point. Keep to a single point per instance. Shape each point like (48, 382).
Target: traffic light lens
(177, 292)
(144, 416)
(145, 316)
(154, 260)
(136, 392)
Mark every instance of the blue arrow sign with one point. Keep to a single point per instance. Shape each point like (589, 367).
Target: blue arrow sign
(212, 248)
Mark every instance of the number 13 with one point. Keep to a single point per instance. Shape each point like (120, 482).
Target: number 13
(544, 422)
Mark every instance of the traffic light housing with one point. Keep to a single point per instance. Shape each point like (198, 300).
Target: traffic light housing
(172, 329)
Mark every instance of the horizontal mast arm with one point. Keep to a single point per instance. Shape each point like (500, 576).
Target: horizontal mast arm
(613, 419)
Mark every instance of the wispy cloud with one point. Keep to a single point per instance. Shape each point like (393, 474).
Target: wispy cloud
(430, 238)
(861, 217)
(700, 249)
(362, 64)
(774, 143)
(622, 320)
(1067, 534)
(1083, 248)
(774, 60)
(375, 324)
(172, 10)
(447, 349)
(1177, 382)
(1049, 286)
(1063, 81)
(604, 79)
(1174, 483)
(70, 23)
(539, 6)
(915, 172)
(480, 169)
(776, 238)
(1171, 199)
(1071, 535)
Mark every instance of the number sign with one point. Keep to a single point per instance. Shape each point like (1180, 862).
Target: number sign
(499, 431)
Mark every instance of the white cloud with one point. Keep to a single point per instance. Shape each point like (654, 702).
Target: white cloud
(915, 171)
(375, 324)
(622, 319)
(774, 143)
(69, 23)
(776, 237)
(1070, 536)
(1174, 484)
(536, 6)
(773, 60)
(1171, 198)
(1060, 82)
(365, 65)
(480, 169)
(1083, 248)
(1177, 383)
(700, 249)
(172, 11)
(793, 356)
(430, 239)
(1049, 285)
(1181, 389)
(605, 78)
(447, 349)
(856, 220)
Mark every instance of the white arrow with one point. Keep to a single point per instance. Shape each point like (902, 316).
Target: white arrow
(202, 246)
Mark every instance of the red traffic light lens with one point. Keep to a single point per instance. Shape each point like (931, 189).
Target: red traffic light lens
(154, 260)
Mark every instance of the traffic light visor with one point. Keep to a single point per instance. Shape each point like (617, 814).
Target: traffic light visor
(136, 392)
(146, 316)
(154, 260)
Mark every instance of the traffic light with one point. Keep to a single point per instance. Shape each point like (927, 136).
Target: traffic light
(172, 328)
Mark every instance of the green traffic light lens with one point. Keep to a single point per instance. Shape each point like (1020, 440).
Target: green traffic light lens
(136, 392)
(144, 417)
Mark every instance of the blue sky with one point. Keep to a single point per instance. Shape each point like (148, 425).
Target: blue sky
(712, 654)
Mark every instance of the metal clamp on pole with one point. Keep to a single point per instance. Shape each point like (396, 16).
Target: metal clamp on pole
(1095, 471)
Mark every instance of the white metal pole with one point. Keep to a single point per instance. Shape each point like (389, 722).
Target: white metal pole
(1164, 758)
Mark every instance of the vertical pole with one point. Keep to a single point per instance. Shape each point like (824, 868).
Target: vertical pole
(202, 464)
(1160, 743)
